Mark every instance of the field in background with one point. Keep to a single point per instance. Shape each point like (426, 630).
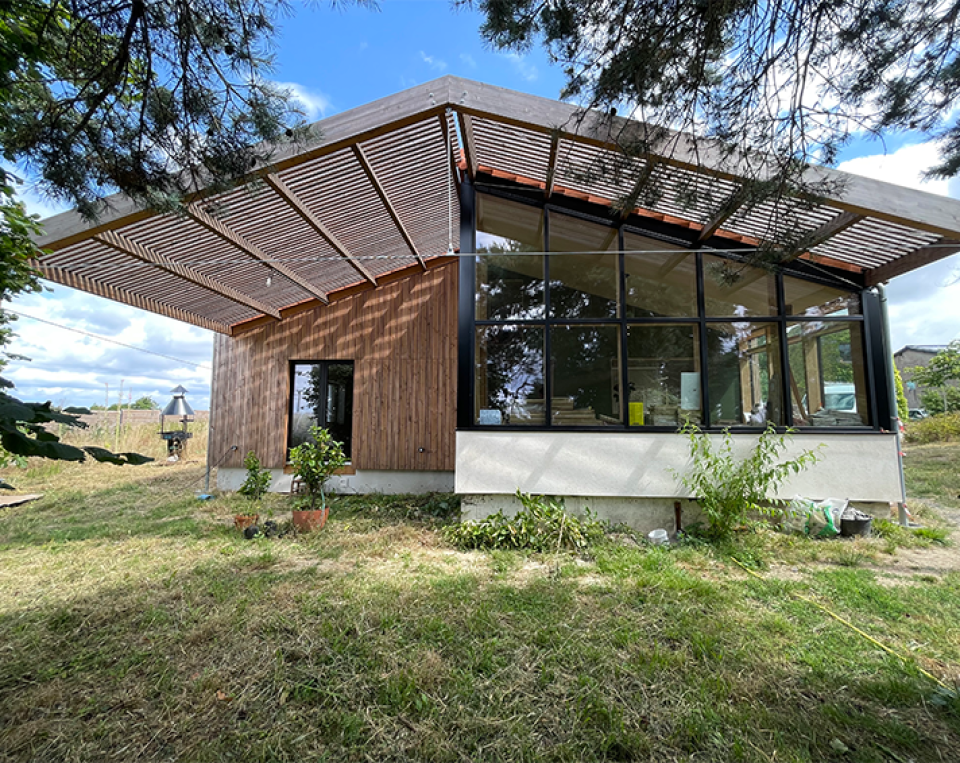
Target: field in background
(143, 438)
(136, 624)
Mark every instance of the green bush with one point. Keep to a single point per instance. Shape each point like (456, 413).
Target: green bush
(728, 488)
(941, 428)
(258, 479)
(542, 524)
(932, 400)
(315, 461)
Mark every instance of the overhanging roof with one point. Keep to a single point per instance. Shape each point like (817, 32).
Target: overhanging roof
(375, 196)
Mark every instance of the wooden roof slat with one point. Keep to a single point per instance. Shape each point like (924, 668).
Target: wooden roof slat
(230, 236)
(117, 294)
(134, 249)
(274, 181)
(368, 170)
(830, 228)
(552, 165)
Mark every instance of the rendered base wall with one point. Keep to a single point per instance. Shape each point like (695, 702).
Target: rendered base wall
(364, 481)
(627, 477)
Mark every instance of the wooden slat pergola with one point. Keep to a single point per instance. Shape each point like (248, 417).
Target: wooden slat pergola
(374, 197)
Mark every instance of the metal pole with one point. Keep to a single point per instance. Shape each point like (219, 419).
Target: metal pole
(902, 514)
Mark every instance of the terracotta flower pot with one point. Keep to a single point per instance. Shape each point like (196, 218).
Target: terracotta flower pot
(243, 521)
(308, 520)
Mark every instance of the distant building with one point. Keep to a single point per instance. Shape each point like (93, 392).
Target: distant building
(909, 357)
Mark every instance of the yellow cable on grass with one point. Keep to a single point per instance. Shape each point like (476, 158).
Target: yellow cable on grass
(852, 627)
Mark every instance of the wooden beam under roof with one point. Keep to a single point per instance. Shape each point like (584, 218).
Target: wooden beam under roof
(368, 170)
(469, 144)
(144, 253)
(828, 230)
(229, 235)
(727, 210)
(448, 141)
(91, 286)
(919, 257)
(552, 165)
(643, 177)
(294, 201)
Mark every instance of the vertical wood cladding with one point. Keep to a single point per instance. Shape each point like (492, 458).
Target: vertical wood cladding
(402, 338)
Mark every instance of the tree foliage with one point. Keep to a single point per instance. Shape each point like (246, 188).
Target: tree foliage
(903, 409)
(153, 99)
(766, 87)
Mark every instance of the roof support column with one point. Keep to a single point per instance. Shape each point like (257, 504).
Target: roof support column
(466, 310)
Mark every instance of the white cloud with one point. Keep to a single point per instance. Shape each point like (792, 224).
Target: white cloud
(434, 63)
(467, 59)
(904, 167)
(73, 369)
(924, 305)
(523, 67)
(315, 104)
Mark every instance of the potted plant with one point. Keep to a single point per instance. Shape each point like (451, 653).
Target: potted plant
(254, 487)
(314, 462)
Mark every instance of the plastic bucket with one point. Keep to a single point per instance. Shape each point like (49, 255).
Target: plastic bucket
(851, 528)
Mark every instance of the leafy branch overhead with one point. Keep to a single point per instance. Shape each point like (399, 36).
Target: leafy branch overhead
(154, 99)
(770, 87)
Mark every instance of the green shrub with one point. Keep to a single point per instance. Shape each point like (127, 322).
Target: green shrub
(542, 524)
(941, 428)
(728, 488)
(315, 462)
(258, 479)
(932, 400)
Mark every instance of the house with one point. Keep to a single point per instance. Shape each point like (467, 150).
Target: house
(443, 279)
(909, 357)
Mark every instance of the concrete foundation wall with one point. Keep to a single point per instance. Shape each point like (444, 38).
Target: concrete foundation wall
(859, 467)
(364, 481)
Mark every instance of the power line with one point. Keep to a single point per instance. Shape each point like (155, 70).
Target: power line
(106, 339)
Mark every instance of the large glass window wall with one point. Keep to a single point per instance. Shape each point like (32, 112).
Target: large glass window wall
(579, 324)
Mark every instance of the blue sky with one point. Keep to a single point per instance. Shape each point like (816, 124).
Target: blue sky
(336, 59)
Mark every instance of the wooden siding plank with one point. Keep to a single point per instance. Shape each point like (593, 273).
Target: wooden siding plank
(402, 339)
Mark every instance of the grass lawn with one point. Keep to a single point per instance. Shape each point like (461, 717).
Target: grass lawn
(137, 624)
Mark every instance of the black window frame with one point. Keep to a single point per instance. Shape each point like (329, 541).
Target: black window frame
(324, 364)
(869, 316)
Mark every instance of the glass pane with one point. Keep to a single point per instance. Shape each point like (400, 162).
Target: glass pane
(828, 379)
(807, 298)
(731, 288)
(658, 284)
(323, 396)
(743, 374)
(509, 283)
(586, 383)
(663, 367)
(509, 368)
(583, 285)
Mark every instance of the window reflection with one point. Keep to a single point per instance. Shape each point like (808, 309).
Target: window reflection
(322, 396)
(814, 299)
(663, 368)
(658, 284)
(509, 283)
(742, 374)
(583, 285)
(734, 289)
(584, 362)
(509, 375)
(827, 374)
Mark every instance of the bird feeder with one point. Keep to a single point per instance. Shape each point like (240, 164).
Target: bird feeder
(178, 409)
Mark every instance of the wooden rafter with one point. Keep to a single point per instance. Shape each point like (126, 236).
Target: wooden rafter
(924, 255)
(469, 144)
(826, 231)
(144, 253)
(117, 294)
(552, 165)
(368, 170)
(727, 210)
(643, 177)
(451, 160)
(295, 203)
(229, 235)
